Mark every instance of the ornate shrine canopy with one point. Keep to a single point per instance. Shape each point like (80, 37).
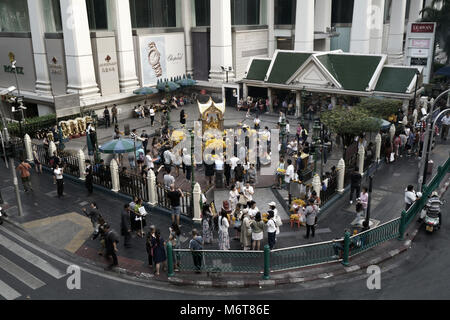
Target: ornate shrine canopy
(212, 114)
(334, 72)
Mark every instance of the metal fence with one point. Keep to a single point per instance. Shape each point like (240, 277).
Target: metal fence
(133, 185)
(221, 261)
(300, 256)
(330, 191)
(70, 163)
(185, 202)
(102, 176)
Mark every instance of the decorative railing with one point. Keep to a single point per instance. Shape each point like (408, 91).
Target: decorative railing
(134, 185)
(185, 202)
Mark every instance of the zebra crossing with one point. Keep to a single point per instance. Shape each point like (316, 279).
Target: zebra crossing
(21, 269)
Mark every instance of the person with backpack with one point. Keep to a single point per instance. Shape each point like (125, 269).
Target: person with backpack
(196, 245)
(311, 215)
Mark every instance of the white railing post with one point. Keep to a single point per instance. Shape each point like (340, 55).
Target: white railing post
(341, 175)
(81, 164)
(29, 153)
(114, 168)
(316, 184)
(151, 185)
(377, 147)
(196, 204)
(361, 153)
(392, 132)
(51, 148)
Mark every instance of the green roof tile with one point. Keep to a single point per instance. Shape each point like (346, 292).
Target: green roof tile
(394, 79)
(258, 69)
(285, 65)
(353, 72)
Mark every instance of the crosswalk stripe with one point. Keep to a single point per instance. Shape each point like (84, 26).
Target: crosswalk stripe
(7, 292)
(30, 257)
(20, 274)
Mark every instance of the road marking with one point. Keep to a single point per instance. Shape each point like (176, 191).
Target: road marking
(20, 274)
(30, 257)
(352, 268)
(7, 292)
(394, 252)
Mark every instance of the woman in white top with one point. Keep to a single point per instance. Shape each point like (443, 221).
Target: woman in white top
(152, 115)
(271, 229)
(59, 179)
(248, 192)
(224, 238)
(233, 197)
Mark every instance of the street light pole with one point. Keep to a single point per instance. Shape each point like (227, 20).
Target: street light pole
(191, 131)
(366, 223)
(428, 143)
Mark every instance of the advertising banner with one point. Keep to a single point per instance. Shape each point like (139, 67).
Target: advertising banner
(420, 46)
(161, 56)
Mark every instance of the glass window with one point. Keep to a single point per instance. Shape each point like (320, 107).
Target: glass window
(342, 11)
(153, 13)
(97, 12)
(244, 12)
(52, 15)
(285, 11)
(202, 13)
(14, 16)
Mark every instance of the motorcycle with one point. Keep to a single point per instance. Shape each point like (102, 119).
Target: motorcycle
(2, 214)
(432, 214)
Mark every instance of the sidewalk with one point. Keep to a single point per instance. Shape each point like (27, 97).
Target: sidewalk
(61, 224)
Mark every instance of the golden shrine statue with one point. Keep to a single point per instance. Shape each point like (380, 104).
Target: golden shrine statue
(73, 128)
(81, 123)
(65, 129)
(211, 115)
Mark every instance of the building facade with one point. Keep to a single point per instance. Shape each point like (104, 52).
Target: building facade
(92, 53)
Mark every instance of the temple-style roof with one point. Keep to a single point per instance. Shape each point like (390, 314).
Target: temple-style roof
(202, 107)
(333, 72)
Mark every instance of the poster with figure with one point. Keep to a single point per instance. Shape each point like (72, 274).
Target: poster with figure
(162, 56)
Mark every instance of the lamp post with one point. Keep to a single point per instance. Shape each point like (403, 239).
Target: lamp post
(366, 223)
(191, 132)
(316, 142)
(283, 135)
(428, 143)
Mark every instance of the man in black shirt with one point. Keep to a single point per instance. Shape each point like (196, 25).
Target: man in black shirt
(239, 175)
(174, 197)
(111, 241)
(94, 215)
(106, 116)
(355, 184)
(125, 225)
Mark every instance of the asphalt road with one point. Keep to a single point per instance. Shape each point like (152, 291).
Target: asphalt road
(28, 271)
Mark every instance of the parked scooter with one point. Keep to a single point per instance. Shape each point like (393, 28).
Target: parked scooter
(2, 214)
(432, 213)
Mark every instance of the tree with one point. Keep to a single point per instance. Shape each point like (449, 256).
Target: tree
(380, 108)
(442, 19)
(349, 123)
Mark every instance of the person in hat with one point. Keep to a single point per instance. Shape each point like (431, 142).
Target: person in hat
(224, 224)
(277, 218)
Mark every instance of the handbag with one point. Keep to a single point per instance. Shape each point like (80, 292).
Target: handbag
(392, 157)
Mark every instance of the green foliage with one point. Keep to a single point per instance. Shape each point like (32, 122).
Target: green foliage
(349, 123)
(442, 19)
(380, 108)
(32, 125)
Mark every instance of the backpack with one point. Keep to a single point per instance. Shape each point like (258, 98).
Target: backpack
(278, 221)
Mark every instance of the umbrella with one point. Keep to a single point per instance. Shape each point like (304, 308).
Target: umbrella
(119, 146)
(384, 123)
(167, 86)
(445, 71)
(146, 90)
(185, 82)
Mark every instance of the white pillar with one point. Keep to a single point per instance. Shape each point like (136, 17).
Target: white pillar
(271, 27)
(304, 26)
(361, 153)
(151, 184)
(77, 46)
(322, 18)
(186, 15)
(81, 164)
(114, 168)
(415, 7)
(121, 21)
(197, 209)
(341, 175)
(269, 95)
(396, 31)
(333, 101)
(298, 104)
(28, 151)
(51, 148)
(405, 120)
(221, 45)
(360, 33)
(377, 147)
(244, 91)
(405, 106)
(37, 27)
(316, 184)
(377, 25)
(415, 115)
(392, 132)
